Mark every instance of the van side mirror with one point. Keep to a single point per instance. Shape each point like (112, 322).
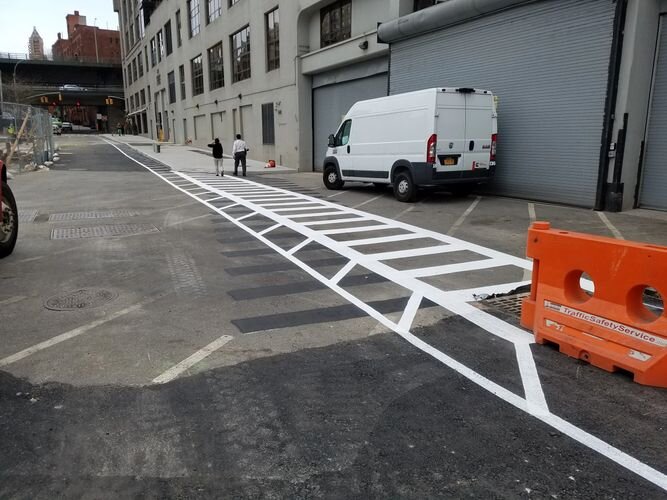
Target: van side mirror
(332, 141)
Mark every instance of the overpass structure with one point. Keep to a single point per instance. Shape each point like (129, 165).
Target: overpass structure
(84, 92)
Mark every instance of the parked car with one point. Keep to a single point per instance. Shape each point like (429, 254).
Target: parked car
(424, 138)
(72, 87)
(66, 127)
(9, 222)
(57, 126)
(7, 119)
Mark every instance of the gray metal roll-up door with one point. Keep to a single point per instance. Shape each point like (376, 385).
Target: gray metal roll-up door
(331, 102)
(653, 192)
(548, 63)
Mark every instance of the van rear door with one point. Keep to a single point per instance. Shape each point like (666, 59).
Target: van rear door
(450, 128)
(478, 130)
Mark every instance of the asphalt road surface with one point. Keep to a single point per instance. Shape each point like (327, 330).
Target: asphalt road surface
(176, 335)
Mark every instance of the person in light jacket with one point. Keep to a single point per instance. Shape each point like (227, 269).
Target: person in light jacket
(239, 151)
(217, 157)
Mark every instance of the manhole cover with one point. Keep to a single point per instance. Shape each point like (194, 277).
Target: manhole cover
(508, 303)
(85, 298)
(102, 214)
(65, 233)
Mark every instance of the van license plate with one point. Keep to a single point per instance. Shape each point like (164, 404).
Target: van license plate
(449, 160)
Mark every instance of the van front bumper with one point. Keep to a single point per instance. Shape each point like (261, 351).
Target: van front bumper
(426, 174)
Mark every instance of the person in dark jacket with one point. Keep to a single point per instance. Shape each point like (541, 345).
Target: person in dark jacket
(217, 157)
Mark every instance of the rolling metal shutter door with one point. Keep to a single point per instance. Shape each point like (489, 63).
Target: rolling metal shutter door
(654, 177)
(548, 63)
(331, 102)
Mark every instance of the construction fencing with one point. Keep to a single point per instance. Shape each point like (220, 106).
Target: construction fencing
(26, 135)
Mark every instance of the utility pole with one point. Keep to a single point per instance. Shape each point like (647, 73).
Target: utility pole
(15, 94)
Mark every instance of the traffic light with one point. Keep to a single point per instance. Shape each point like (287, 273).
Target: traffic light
(44, 99)
(109, 101)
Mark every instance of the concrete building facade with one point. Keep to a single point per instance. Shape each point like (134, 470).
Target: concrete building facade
(35, 45)
(280, 72)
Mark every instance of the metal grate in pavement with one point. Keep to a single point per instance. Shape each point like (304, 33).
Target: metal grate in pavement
(65, 233)
(27, 215)
(80, 299)
(508, 303)
(101, 214)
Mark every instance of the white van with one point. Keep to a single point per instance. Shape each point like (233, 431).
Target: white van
(423, 138)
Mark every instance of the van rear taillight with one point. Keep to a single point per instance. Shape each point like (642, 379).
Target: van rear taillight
(430, 148)
(494, 138)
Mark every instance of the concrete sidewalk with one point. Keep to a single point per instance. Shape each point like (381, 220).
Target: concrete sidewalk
(188, 158)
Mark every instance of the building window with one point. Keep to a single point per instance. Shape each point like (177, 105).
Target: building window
(158, 79)
(140, 65)
(422, 4)
(134, 70)
(272, 22)
(131, 32)
(153, 52)
(336, 22)
(213, 10)
(216, 76)
(148, 91)
(142, 93)
(233, 2)
(193, 17)
(197, 70)
(167, 38)
(160, 46)
(142, 24)
(181, 77)
(146, 57)
(241, 55)
(179, 38)
(268, 127)
(129, 73)
(171, 81)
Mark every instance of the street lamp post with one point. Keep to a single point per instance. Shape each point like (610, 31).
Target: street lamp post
(15, 66)
(97, 55)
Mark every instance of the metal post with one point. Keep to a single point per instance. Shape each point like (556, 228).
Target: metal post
(2, 100)
(15, 94)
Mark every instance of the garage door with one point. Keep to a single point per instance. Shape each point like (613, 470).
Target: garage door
(653, 192)
(331, 102)
(548, 63)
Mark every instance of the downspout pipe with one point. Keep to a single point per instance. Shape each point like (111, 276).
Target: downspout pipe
(439, 16)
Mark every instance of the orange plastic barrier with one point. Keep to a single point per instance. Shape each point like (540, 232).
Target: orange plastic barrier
(612, 328)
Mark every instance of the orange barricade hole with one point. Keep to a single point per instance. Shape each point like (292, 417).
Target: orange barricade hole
(579, 286)
(645, 304)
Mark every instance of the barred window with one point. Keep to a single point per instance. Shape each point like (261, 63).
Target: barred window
(153, 52)
(336, 22)
(197, 70)
(241, 55)
(268, 125)
(181, 77)
(213, 10)
(171, 81)
(193, 16)
(142, 93)
(216, 76)
(140, 65)
(160, 46)
(272, 22)
(179, 27)
(167, 38)
(134, 70)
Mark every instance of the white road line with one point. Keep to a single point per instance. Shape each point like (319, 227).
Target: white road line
(617, 234)
(186, 220)
(298, 208)
(368, 201)
(489, 323)
(383, 239)
(336, 194)
(71, 334)
(13, 300)
(316, 214)
(265, 197)
(345, 230)
(531, 212)
(473, 265)
(246, 216)
(227, 206)
(283, 203)
(410, 312)
(269, 229)
(298, 247)
(342, 273)
(336, 221)
(415, 252)
(461, 219)
(216, 198)
(406, 211)
(192, 360)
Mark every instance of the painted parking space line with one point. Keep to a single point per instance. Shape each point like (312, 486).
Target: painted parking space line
(192, 360)
(532, 402)
(12, 300)
(463, 217)
(614, 230)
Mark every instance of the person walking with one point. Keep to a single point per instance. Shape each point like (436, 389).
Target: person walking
(217, 157)
(239, 151)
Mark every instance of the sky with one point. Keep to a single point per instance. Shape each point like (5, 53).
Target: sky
(18, 17)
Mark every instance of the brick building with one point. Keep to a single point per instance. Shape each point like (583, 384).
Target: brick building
(87, 43)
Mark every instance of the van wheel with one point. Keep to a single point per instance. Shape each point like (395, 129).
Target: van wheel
(331, 178)
(404, 187)
(9, 222)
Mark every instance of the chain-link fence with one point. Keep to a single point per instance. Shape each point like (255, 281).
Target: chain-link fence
(28, 131)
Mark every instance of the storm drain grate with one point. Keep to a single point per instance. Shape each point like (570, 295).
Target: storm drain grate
(27, 215)
(508, 303)
(84, 298)
(65, 233)
(103, 214)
